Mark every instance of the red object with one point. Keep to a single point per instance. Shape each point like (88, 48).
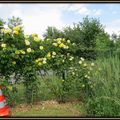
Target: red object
(4, 108)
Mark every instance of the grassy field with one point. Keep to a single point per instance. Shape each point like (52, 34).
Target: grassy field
(48, 108)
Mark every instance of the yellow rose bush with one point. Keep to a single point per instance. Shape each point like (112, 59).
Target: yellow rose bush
(25, 55)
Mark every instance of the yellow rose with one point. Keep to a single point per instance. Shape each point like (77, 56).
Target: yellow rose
(39, 63)
(34, 35)
(27, 42)
(3, 45)
(17, 28)
(73, 73)
(44, 62)
(61, 45)
(17, 52)
(85, 65)
(16, 32)
(63, 61)
(68, 41)
(14, 62)
(29, 50)
(80, 62)
(83, 85)
(49, 55)
(55, 44)
(92, 64)
(54, 53)
(41, 47)
(26, 36)
(82, 58)
(86, 76)
(9, 87)
(71, 68)
(71, 58)
(65, 47)
(22, 51)
(62, 80)
(36, 39)
(6, 31)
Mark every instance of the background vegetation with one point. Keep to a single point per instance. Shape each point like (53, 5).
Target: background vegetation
(79, 63)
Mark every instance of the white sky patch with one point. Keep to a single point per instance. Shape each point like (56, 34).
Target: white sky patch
(36, 19)
(17, 13)
(39, 21)
(114, 12)
(98, 12)
(0, 5)
(83, 9)
(112, 27)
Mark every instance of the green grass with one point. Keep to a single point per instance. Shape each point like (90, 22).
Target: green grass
(106, 101)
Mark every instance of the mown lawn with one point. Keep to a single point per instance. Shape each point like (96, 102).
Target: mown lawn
(48, 108)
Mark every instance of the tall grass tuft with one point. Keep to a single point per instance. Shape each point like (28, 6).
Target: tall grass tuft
(106, 101)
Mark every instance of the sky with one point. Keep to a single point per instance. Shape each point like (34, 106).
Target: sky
(37, 17)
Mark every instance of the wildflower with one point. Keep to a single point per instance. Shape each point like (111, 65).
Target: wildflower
(80, 62)
(3, 45)
(44, 59)
(76, 69)
(71, 68)
(22, 51)
(86, 76)
(68, 54)
(10, 88)
(55, 44)
(83, 85)
(65, 47)
(73, 44)
(27, 42)
(44, 62)
(14, 62)
(99, 69)
(54, 53)
(90, 68)
(62, 80)
(41, 47)
(49, 55)
(85, 65)
(68, 41)
(17, 52)
(73, 73)
(29, 50)
(39, 63)
(91, 86)
(82, 58)
(71, 58)
(48, 39)
(92, 64)
(63, 39)
(53, 56)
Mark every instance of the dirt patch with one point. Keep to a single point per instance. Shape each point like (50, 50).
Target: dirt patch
(50, 104)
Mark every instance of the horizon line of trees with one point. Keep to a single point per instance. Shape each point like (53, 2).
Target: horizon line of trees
(89, 36)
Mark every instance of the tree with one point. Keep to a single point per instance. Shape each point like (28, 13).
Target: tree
(14, 21)
(103, 41)
(52, 33)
